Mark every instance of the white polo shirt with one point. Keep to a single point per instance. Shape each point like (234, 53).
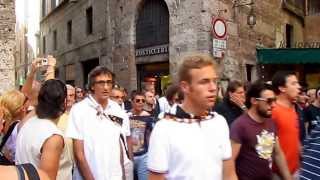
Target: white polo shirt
(189, 151)
(100, 136)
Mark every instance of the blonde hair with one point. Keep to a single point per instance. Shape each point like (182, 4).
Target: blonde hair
(11, 102)
(194, 61)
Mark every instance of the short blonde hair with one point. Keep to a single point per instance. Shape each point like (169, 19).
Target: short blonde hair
(194, 61)
(11, 102)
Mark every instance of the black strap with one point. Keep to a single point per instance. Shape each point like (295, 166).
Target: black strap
(124, 144)
(31, 171)
(20, 172)
(7, 135)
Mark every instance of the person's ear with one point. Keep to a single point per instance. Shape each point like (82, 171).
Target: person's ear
(185, 86)
(253, 101)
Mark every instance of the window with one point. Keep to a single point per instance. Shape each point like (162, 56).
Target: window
(89, 17)
(314, 8)
(289, 36)
(153, 24)
(44, 45)
(53, 4)
(44, 7)
(69, 32)
(55, 40)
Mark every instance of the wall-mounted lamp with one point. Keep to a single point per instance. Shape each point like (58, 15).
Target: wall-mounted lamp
(251, 18)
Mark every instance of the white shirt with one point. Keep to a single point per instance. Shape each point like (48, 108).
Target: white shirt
(30, 140)
(164, 105)
(190, 151)
(100, 136)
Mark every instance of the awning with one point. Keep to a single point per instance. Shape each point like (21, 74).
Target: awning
(289, 56)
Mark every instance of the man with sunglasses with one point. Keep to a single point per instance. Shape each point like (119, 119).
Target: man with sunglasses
(98, 126)
(254, 139)
(141, 126)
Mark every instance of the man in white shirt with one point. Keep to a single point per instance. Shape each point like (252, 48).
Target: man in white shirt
(190, 142)
(98, 126)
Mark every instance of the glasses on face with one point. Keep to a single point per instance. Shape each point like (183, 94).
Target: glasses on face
(101, 83)
(269, 101)
(139, 101)
(118, 97)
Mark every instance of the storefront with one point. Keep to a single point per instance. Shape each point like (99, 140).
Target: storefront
(152, 46)
(304, 61)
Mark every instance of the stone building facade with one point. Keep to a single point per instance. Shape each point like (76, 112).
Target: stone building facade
(126, 38)
(27, 37)
(7, 44)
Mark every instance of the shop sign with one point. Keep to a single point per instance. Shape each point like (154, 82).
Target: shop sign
(164, 49)
(297, 44)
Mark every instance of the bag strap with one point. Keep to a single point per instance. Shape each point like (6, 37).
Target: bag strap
(124, 144)
(20, 172)
(7, 135)
(31, 171)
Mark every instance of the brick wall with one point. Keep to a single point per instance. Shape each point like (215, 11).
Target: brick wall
(7, 44)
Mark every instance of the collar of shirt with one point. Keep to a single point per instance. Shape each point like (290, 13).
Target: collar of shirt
(101, 112)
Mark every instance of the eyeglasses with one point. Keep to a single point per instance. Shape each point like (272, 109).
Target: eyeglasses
(118, 97)
(108, 82)
(269, 101)
(139, 100)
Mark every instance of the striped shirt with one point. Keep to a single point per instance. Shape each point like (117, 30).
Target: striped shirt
(310, 165)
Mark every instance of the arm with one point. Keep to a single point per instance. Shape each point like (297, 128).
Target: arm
(229, 171)
(27, 86)
(281, 162)
(156, 176)
(51, 68)
(50, 155)
(130, 150)
(81, 161)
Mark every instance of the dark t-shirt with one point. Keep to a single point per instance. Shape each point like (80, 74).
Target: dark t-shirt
(140, 127)
(257, 146)
(312, 114)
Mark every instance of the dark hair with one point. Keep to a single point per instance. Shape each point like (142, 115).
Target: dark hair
(318, 92)
(255, 91)
(51, 99)
(97, 71)
(172, 90)
(136, 93)
(233, 86)
(280, 79)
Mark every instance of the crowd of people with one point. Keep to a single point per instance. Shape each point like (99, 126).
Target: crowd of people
(259, 131)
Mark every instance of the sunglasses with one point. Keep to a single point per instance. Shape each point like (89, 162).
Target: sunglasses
(269, 101)
(139, 100)
(118, 97)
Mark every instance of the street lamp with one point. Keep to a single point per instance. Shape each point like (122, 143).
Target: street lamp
(251, 18)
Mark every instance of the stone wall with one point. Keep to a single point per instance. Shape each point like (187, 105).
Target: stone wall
(7, 44)
(190, 31)
(113, 40)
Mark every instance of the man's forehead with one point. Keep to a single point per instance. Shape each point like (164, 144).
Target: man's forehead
(104, 76)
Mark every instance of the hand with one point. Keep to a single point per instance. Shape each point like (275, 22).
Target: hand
(36, 63)
(239, 101)
(51, 61)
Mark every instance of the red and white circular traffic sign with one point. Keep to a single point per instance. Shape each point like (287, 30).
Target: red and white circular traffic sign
(219, 28)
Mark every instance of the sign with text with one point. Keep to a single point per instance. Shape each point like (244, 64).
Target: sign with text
(163, 49)
(218, 43)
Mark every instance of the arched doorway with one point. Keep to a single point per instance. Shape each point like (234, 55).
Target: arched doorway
(152, 43)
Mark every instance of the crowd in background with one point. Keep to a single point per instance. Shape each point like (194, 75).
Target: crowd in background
(263, 130)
